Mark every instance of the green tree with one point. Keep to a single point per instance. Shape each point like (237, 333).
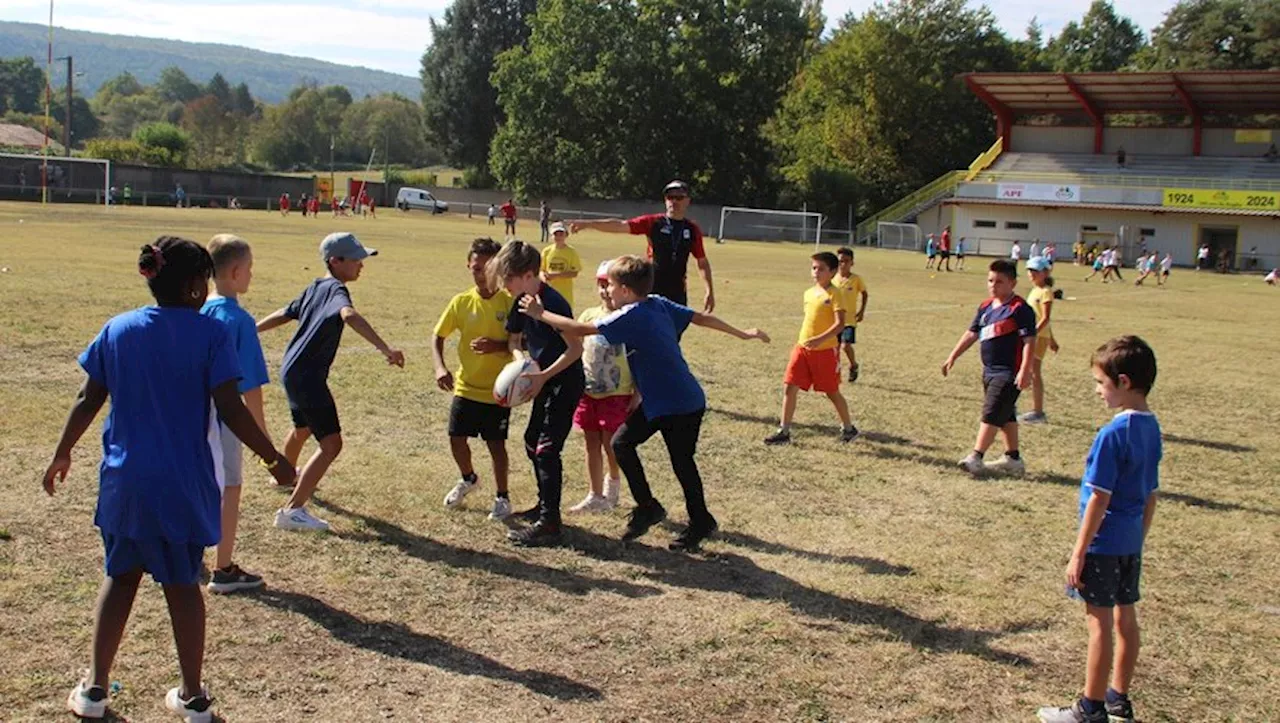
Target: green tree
(219, 88)
(21, 86)
(646, 91)
(124, 84)
(386, 120)
(460, 106)
(175, 87)
(1101, 42)
(242, 101)
(84, 122)
(163, 144)
(218, 136)
(123, 114)
(1216, 35)
(298, 131)
(857, 129)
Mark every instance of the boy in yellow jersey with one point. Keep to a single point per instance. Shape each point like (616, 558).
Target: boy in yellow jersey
(855, 305)
(560, 262)
(605, 405)
(480, 316)
(815, 360)
(1041, 301)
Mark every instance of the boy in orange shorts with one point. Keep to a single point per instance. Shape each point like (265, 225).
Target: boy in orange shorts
(815, 361)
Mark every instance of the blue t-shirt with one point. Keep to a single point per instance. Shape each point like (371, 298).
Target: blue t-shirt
(1125, 461)
(544, 343)
(244, 337)
(160, 365)
(1001, 330)
(310, 353)
(651, 329)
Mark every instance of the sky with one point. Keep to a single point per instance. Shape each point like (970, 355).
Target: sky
(393, 33)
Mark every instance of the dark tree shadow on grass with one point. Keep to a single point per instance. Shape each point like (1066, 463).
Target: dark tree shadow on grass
(398, 641)
(869, 565)
(918, 393)
(1215, 445)
(867, 436)
(1058, 478)
(429, 550)
(739, 575)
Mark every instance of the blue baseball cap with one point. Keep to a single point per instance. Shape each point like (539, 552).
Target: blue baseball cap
(344, 245)
(1038, 263)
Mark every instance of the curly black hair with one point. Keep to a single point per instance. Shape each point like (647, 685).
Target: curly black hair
(169, 264)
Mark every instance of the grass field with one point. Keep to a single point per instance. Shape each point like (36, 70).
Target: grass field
(869, 582)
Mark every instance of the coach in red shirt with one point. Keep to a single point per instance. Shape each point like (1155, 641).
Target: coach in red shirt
(672, 240)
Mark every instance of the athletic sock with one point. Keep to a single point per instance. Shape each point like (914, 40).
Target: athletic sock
(504, 495)
(1013, 454)
(1114, 696)
(1090, 706)
(784, 428)
(978, 454)
(470, 478)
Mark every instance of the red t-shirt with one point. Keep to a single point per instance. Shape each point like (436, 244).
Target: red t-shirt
(671, 243)
(508, 211)
(945, 244)
(284, 201)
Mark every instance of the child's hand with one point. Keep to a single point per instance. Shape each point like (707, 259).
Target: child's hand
(758, 334)
(395, 357)
(1053, 346)
(1075, 569)
(485, 345)
(58, 469)
(531, 306)
(946, 366)
(858, 317)
(1023, 380)
(444, 379)
(539, 379)
(575, 227)
(285, 474)
(810, 343)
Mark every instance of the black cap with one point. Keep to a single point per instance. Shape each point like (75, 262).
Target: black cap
(676, 186)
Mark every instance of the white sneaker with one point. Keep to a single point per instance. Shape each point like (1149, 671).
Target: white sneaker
(1033, 418)
(80, 702)
(591, 503)
(299, 519)
(612, 490)
(459, 491)
(501, 508)
(197, 709)
(972, 464)
(1008, 466)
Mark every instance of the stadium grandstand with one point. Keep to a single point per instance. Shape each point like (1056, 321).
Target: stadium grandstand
(1168, 161)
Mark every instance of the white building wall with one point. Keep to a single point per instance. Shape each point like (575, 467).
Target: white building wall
(1174, 232)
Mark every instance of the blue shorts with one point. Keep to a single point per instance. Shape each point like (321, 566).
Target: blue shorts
(849, 335)
(168, 563)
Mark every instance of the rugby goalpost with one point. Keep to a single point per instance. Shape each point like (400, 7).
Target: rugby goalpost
(32, 167)
(767, 224)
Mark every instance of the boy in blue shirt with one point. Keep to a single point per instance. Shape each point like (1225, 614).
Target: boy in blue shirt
(1006, 326)
(672, 403)
(1117, 503)
(232, 272)
(322, 311)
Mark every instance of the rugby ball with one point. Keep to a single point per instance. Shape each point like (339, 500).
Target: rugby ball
(511, 389)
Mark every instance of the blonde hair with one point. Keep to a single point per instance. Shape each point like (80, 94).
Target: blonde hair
(227, 249)
(515, 258)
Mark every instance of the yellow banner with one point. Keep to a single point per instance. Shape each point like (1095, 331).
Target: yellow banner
(1253, 136)
(324, 190)
(1212, 198)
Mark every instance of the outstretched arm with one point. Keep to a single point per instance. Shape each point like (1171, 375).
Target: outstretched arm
(532, 306)
(364, 329)
(608, 225)
(276, 318)
(88, 402)
(711, 321)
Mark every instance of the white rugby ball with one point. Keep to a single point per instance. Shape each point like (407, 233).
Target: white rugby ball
(511, 389)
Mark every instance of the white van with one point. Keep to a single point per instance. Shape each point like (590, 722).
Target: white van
(409, 198)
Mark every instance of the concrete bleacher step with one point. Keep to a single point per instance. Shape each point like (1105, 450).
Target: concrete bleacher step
(1146, 165)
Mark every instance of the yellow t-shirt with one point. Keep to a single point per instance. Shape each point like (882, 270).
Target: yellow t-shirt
(1038, 299)
(607, 371)
(852, 288)
(475, 316)
(820, 307)
(558, 260)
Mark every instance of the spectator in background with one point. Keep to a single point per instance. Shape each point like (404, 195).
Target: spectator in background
(1224, 261)
(313, 206)
(1035, 249)
(1272, 154)
(180, 194)
(1120, 157)
(1202, 257)
(304, 205)
(509, 218)
(944, 248)
(493, 213)
(284, 204)
(128, 194)
(544, 220)
(1015, 255)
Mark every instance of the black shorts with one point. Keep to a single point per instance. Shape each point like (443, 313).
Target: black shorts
(1110, 580)
(315, 411)
(1000, 405)
(510, 223)
(959, 254)
(849, 335)
(945, 254)
(469, 418)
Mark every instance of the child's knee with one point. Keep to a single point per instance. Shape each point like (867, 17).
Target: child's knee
(332, 444)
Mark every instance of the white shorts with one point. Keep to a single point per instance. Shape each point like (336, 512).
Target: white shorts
(231, 463)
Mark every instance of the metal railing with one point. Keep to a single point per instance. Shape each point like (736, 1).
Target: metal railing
(1125, 180)
(939, 187)
(984, 161)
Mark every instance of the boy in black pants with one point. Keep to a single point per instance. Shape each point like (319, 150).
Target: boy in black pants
(673, 401)
(556, 389)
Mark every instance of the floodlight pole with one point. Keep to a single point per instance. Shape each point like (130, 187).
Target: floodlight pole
(66, 126)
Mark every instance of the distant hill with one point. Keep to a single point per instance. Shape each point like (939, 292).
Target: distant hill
(270, 75)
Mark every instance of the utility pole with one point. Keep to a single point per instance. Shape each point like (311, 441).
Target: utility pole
(333, 192)
(66, 125)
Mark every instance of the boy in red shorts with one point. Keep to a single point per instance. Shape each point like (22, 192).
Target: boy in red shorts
(816, 359)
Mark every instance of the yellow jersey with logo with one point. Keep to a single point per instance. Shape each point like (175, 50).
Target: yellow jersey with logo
(820, 307)
(1037, 300)
(475, 316)
(852, 288)
(557, 260)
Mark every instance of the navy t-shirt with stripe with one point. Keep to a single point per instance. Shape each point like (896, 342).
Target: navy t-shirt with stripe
(1001, 329)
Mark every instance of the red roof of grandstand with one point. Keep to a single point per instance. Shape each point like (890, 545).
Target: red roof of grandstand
(1193, 92)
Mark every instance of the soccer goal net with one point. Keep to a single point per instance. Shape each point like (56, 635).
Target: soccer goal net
(899, 236)
(76, 180)
(763, 224)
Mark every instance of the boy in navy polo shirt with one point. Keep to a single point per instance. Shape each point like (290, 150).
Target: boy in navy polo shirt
(322, 311)
(672, 400)
(1117, 503)
(1006, 326)
(556, 388)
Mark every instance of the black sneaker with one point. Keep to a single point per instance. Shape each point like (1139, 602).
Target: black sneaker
(642, 518)
(1120, 711)
(781, 436)
(853, 373)
(850, 434)
(536, 535)
(531, 515)
(232, 578)
(693, 535)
